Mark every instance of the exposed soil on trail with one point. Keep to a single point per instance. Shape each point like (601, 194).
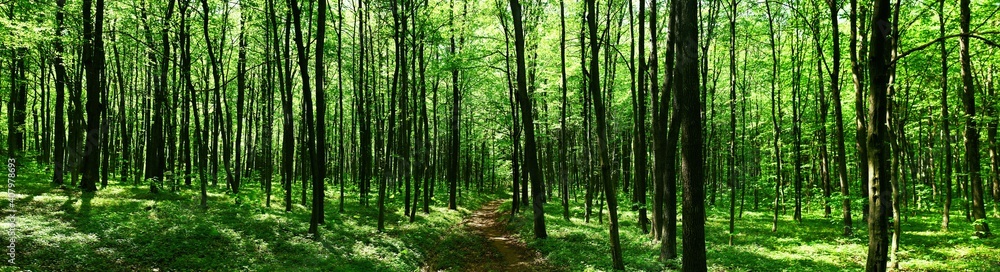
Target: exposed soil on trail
(487, 246)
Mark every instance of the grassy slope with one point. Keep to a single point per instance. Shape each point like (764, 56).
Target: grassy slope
(125, 228)
(813, 245)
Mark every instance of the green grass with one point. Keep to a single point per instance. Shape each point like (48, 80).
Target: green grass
(815, 244)
(126, 228)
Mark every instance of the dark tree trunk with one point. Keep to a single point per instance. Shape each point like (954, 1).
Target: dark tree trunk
(971, 129)
(189, 88)
(155, 155)
(688, 105)
(60, 67)
(797, 128)
(639, 137)
(530, 152)
(602, 135)
(991, 134)
(514, 124)
(287, 131)
(732, 121)
(309, 150)
(93, 62)
(185, 134)
(241, 85)
(880, 178)
(775, 99)
(838, 115)
(340, 104)
(319, 151)
(669, 133)
(859, 106)
(563, 141)
(454, 146)
(364, 113)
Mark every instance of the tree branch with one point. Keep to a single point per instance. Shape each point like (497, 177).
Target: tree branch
(935, 41)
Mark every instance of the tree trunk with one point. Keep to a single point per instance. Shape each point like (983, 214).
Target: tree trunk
(732, 121)
(241, 85)
(602, 135)
(563, 140)
(287, 131)
(93, 62)
(775, 99)
(859, 106)
(530, 151)
(319, 151)
(838, 115)
(688, 105)
(454, 151)
(991, 110)
(60, 67)
(639, 138)
(971, 129)
(340, 104)
(880, 179)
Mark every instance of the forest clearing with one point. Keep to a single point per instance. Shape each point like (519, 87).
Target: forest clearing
(505, 135)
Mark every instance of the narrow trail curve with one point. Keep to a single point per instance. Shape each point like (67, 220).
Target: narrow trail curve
(496, 249)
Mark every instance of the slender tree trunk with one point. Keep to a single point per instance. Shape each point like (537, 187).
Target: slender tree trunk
(838, 115)
(530, 151)
(563, 140)
(93, 62)
(241, 85)
(797, 127)
(602, 134)
(60, 67)
(971, 129)
(514, 124)
(340, 104)
(189, 88)
(287, 131)
(859, 106)
(991, 128)
(454, 152)
(775, 99)
(669, 132)
(319, 151)
(307, 127)
(732, 120)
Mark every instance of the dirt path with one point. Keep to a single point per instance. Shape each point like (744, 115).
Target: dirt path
(492, 247)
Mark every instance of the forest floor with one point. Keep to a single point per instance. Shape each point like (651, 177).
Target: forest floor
(124, 227)
(494, 247)
(815, 244)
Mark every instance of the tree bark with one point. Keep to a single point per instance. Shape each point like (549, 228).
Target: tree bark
(859, 106)
(602, 135)
(839, 119)
(60, 67)
(732, 120)
(563, 140)
(455, 147)
(688, 104)
(530, 150)
(639, 138)
(93, 62)
(775, 99)
(880, 176)
(971, 129)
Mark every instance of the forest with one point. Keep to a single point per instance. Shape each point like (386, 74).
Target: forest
(504, 135)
